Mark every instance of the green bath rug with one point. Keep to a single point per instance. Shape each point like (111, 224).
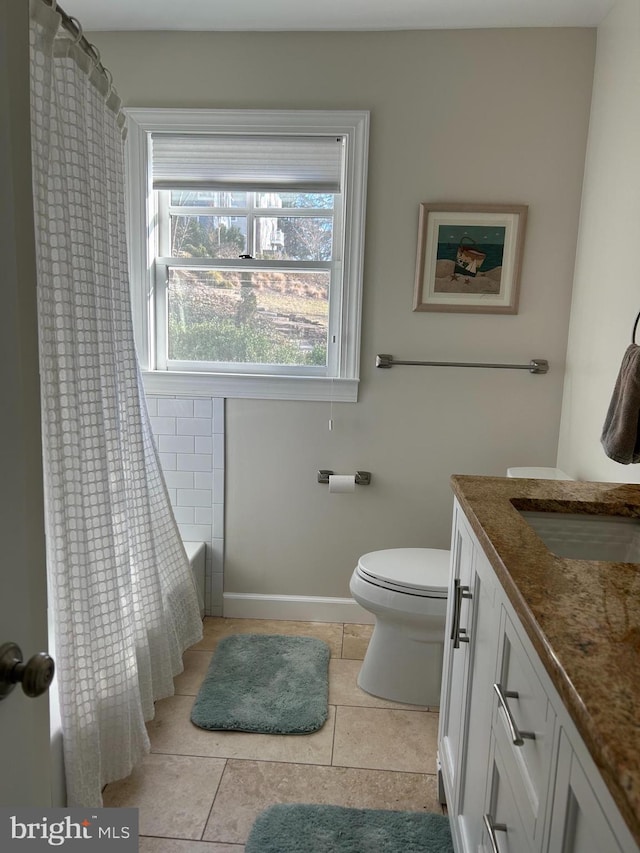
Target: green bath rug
(265, 683)
(334, 829)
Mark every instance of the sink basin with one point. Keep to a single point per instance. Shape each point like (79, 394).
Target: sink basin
(581, 536)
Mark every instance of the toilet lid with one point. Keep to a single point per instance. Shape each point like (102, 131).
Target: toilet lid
(422, 570)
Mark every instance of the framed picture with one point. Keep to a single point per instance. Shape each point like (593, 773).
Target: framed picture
(469, 257)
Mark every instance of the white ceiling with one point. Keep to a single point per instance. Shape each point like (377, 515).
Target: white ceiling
(333, 14)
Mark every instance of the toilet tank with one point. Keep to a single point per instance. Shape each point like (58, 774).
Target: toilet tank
(539, 473)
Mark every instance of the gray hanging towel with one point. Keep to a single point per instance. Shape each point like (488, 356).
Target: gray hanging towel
(621, 432)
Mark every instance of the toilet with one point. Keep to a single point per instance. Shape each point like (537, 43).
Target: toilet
(539, 473)
(406, 590)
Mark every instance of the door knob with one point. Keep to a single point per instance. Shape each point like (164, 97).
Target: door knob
(35, 675)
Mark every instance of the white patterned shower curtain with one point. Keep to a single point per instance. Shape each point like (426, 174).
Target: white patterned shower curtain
(121, 592)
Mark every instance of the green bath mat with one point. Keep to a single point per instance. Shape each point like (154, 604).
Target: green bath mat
(265, 683)
(333, 829)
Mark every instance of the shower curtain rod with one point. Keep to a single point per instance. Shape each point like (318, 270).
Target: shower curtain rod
(74, 28)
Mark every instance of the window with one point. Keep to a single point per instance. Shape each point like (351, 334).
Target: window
(246, 233)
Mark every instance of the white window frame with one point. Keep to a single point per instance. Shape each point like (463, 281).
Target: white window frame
(340, 383)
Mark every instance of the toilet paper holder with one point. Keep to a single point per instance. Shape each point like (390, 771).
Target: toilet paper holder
(363, 478)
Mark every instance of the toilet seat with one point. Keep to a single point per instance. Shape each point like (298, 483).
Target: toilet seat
(413, 571)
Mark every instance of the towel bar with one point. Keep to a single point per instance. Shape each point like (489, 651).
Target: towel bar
(536, 365)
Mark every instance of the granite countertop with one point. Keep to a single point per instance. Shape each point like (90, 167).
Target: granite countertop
(582, 617)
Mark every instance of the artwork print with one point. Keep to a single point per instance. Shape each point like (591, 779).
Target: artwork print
(469, 258)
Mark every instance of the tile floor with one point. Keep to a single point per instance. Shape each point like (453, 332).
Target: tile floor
(200, 791)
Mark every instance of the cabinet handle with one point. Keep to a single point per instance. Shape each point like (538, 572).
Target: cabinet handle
(492, 828)
(517, 736)
(458, 634)
(455, 621)
(461, 637)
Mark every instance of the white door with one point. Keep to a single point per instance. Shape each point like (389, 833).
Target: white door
(25, 775)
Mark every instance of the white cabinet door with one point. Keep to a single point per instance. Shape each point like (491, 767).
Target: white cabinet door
(456, 661)
(471, 799)
(470, 665)
(579, 823)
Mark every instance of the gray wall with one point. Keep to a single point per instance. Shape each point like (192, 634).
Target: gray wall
(606, 297)
(467, 116)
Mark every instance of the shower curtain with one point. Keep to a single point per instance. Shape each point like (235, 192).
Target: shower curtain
(121, 593)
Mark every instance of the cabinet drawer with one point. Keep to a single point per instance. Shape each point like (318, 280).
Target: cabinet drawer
(523, 723)
(502, 818)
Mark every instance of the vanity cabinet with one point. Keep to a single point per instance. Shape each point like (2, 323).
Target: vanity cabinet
(514, 772)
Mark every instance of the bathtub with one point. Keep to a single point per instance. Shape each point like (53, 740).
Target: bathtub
(196, 552)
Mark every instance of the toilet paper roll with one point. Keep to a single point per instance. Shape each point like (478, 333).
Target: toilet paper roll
(341, 484)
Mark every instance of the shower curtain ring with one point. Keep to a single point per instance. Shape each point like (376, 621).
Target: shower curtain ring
(92, 49)
(79, 34)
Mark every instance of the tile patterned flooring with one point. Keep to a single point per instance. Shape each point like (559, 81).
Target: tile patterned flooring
(200, 791)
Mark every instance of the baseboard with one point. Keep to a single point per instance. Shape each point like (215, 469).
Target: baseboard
(296, 608)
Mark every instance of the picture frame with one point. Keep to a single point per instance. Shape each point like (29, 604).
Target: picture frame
(469, 257)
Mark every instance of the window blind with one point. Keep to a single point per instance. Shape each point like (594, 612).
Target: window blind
(252, 162)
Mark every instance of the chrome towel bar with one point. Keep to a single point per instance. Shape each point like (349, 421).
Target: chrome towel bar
(536, 365)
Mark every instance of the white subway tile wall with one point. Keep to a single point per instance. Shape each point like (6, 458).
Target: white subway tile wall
(189, 434)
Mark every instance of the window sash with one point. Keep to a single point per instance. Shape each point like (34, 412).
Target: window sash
(164, 211)
(302, 212)
(162, 360)
(247, 265)
(252, 211)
